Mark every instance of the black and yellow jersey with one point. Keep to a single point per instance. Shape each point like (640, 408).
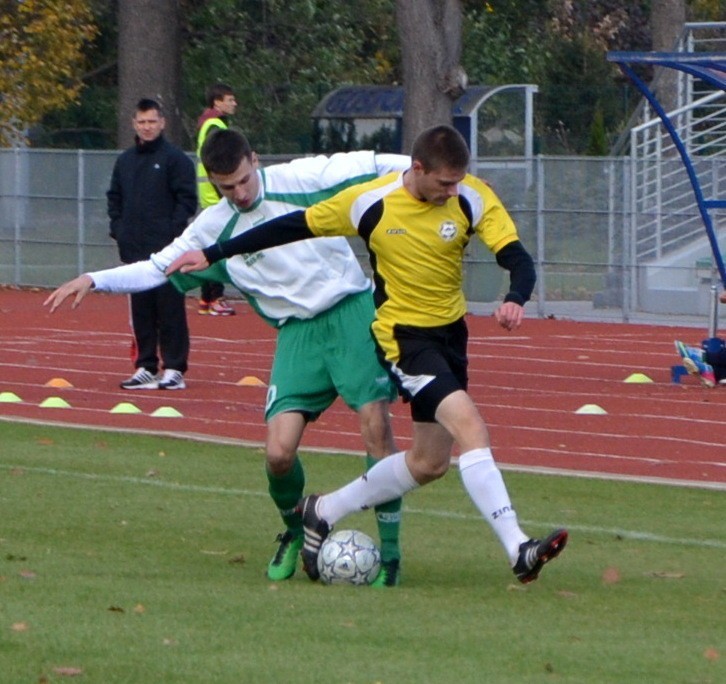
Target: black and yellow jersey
(416, 247)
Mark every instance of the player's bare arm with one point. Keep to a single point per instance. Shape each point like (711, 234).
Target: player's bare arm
(79, 287)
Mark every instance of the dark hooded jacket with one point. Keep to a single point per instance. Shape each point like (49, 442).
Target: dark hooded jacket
(153, 195)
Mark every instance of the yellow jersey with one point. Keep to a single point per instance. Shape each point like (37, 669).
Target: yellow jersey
(416, 248)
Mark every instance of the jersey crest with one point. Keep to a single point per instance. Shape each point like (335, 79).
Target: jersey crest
(447, 231)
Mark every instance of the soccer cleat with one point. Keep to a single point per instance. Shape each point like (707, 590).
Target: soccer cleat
(171, 380)
(390, 574)
(141, 379)
(203, 309)
(686, 352)
(533, 554)
(316, 531)
(283, 565)
(703, 371)
(694, 363)
(219, 307)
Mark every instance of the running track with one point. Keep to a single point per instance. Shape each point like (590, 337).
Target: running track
(529, 385)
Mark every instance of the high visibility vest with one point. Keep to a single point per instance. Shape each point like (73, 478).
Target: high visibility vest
(208, 194)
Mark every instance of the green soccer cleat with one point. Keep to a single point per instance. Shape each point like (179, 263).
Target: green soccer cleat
(390, 574)
(283, 565)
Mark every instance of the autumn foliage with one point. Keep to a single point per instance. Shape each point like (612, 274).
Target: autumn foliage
(41, 59)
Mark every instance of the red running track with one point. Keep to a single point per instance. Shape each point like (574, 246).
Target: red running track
(529, 385)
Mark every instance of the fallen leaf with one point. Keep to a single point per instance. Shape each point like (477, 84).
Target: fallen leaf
(169, 642)
(662, 574)
(28, 574)
(116, 609)
(237, 559)
(68, 671)
(20, 627)
(45, 441)
(139, 608)
(711, 654)
(566, 594)
(152, 473)
(611, 575)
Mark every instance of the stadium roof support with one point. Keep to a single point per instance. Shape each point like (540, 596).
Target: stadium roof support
(709, 67)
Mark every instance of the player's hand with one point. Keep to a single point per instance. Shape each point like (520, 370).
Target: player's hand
(79, 286)
(509, 315)
(189, 261)
(722, 298)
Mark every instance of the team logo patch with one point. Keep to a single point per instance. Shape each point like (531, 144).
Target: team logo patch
(447, 231)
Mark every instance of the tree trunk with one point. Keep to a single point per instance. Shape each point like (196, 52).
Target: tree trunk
(666, 23)
(149, 63)
(430, 35)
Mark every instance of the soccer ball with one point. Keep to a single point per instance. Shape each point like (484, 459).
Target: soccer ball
(349, 557)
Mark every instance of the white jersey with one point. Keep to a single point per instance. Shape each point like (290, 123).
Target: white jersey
(298, 280)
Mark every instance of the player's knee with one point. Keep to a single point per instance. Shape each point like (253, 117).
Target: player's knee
(280, 457)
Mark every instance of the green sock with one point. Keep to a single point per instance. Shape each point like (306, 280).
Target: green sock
(286, 491)
(388, 518)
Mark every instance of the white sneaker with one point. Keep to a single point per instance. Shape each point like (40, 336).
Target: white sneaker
(141, 379)
(171, 380)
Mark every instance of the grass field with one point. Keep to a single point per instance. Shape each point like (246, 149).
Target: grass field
(137, 559)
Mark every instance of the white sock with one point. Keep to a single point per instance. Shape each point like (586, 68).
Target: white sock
(484, 484)
(388, 479)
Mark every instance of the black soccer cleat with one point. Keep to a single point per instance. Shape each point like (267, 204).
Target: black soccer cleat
(316, 532)
(533, 554)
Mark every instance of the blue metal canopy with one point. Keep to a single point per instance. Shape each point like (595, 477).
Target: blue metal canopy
(709, 67)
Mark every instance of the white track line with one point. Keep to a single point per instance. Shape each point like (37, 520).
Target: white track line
(178, 487)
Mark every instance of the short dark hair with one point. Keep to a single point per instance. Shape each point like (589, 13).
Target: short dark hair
(146, 103)
(224, 150)
(441, 146)
(217, 92)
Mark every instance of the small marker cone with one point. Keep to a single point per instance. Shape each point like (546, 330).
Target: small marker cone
(592, 409)
(166, 412)
(57, 382)
(638, 378)
(251, 381)
(54, 402)
(125, 407)
(9, 398)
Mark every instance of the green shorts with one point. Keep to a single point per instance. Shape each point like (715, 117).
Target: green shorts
(329, 356)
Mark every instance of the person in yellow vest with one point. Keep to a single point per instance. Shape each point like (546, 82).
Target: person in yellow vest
(221, 104)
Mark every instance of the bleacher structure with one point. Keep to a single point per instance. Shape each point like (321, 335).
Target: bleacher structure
(678, 178)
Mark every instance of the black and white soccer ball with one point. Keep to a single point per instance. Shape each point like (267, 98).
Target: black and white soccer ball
(349, 557)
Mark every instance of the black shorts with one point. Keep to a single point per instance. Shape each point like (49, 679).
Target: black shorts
(432, 364)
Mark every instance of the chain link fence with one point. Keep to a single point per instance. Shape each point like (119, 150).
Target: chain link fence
(574, 214)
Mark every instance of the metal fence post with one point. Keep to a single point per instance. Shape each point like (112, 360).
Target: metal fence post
(17, 233)
(81, 212)
(541, 289)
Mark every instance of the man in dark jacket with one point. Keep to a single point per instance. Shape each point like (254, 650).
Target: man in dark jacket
(152, 196)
